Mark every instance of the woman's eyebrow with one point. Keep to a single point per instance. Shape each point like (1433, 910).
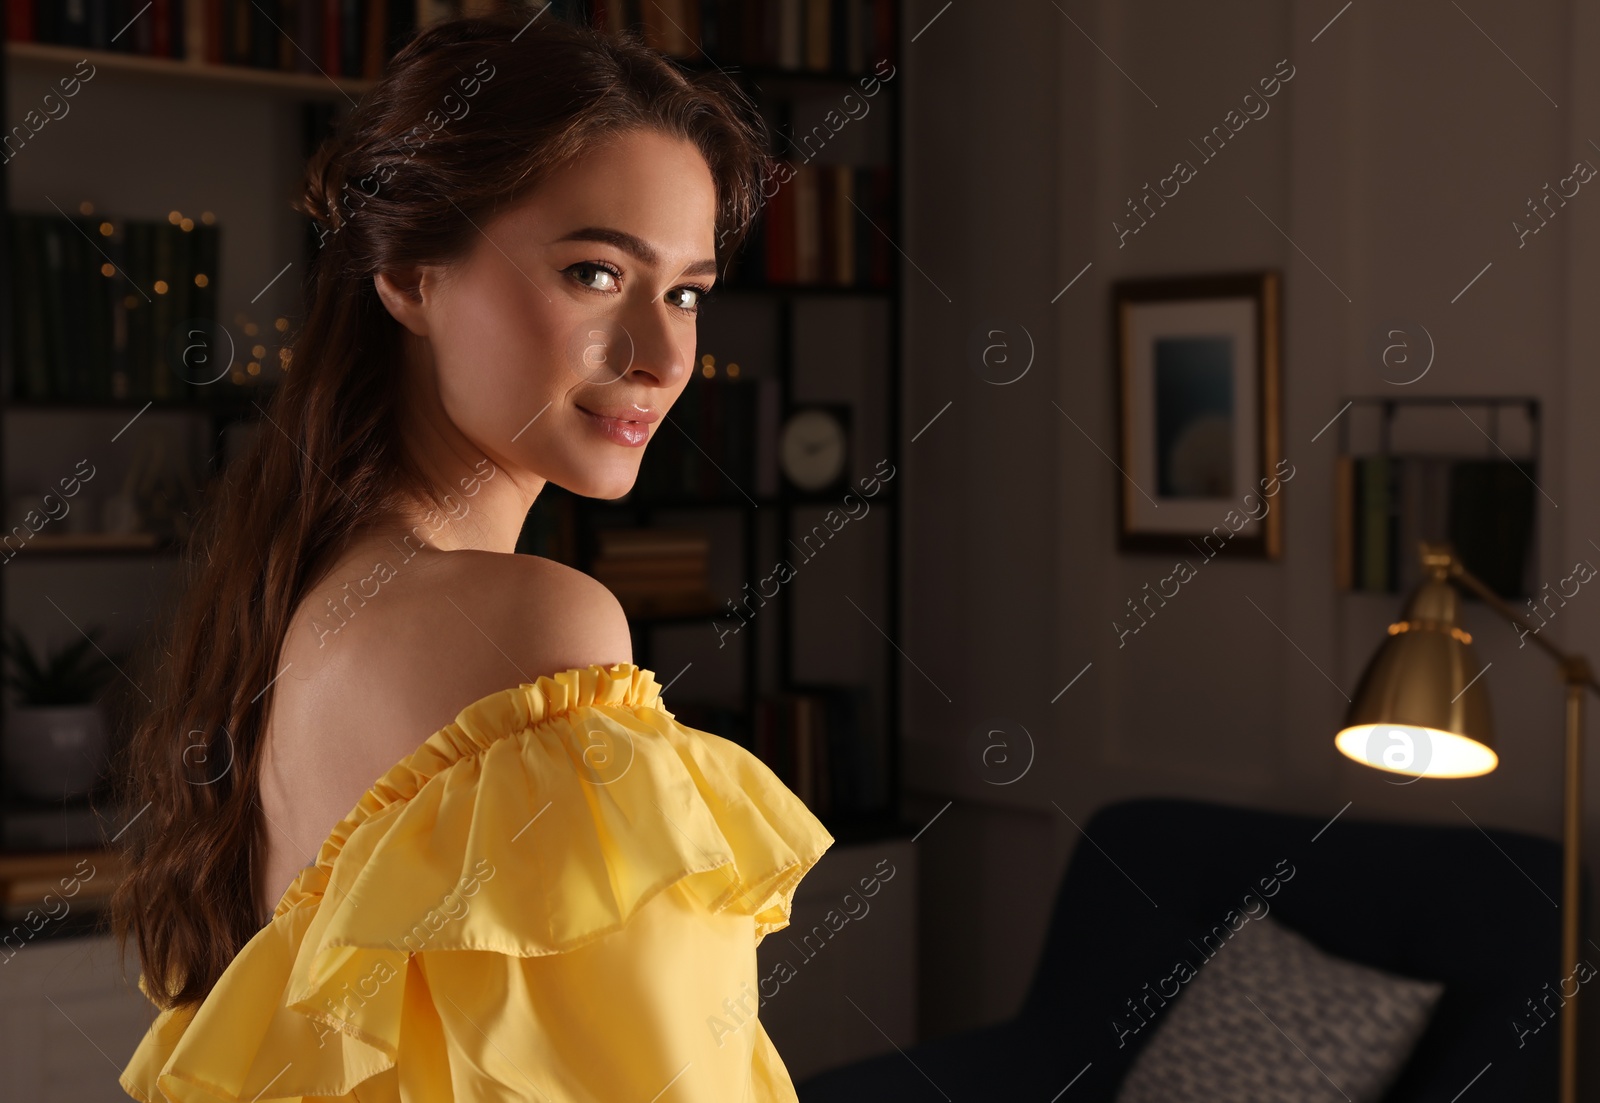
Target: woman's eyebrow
(636, 247)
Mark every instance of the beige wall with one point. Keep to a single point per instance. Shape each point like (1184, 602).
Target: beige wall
(1396, 158)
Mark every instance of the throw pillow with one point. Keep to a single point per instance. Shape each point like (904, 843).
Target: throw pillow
(1270, 1017)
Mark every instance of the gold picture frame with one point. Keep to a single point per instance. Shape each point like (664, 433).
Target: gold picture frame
(1199, 414)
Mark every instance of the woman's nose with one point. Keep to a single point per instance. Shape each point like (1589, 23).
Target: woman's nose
(659, 343)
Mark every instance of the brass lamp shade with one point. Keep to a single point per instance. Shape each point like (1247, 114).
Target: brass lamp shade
(1420, 708)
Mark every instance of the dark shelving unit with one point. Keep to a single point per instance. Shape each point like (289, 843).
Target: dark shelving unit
(770, 87)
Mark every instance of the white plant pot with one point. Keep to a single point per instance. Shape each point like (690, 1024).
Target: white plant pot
(54, 751)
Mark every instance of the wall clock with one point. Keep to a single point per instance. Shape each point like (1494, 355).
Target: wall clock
(814, 447)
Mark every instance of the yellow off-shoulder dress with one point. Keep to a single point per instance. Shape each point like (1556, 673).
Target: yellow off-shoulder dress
(556, 898)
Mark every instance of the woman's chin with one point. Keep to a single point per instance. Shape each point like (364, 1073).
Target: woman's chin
(608, 486)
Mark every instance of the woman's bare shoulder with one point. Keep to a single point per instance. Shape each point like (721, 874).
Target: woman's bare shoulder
(384, 653)
(436, 632)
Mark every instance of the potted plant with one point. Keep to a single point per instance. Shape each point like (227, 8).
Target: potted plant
(55, 736)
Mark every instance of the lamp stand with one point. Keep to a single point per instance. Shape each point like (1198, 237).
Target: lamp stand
(1579, 678)
(1572, 814)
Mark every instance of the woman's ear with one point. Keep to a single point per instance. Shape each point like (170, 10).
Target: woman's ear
(406, 296)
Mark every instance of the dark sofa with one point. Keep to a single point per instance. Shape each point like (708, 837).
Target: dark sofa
(1475, 910)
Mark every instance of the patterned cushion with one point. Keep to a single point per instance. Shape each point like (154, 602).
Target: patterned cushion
(1270, 1017)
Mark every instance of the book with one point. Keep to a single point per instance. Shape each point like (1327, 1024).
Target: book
(1491, 521)
(807, 225)
(1344, 539)
(1376, 553)
(108, 316)
(818, 33)
(812, 737)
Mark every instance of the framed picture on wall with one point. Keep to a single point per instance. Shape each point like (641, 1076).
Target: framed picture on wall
(1198, 415)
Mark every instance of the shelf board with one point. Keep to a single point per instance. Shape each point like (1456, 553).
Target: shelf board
(868, 829)
(183, 73)
(731, 501)
(33, 865)
(805, 290)
(95, 543)
(779, 74)
(112, 405)
(658, 610)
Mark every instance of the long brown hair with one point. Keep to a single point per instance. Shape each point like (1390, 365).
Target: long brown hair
(470, 116)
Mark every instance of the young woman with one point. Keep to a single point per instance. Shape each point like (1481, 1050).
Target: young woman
(412, 826)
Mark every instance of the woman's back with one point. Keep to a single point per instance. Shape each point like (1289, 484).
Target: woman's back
(386, 650)
(556, 895)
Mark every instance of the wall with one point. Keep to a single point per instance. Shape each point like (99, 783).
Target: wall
(1392, 165)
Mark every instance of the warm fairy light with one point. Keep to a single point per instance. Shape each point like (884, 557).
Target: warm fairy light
(237, 376)
(108, 269)
(86, 208)
(186, 225)
(174, 217)
(281, 325)
(258, 351)
(201, 279)
(106, 229)
(733, 370)
(161, 287)
(708, 360)
(207, 217)
(708, 371)
(254, 367)
(251, 329)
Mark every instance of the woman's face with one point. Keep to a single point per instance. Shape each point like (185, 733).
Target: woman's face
(562, 339)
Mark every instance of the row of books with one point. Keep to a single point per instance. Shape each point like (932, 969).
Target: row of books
(125, 315)
(814, 738)
(655, 570)
(718, 442)
(827, 224)
(349, 38)
(1388, 505)
(844, 36)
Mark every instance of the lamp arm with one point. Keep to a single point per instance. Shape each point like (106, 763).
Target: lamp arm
(1575, 668)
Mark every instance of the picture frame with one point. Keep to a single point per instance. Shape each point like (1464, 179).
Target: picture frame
(1199, 414)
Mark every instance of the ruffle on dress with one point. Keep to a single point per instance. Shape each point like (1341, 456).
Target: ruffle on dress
(494, 920)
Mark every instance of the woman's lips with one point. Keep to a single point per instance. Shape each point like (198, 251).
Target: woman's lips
(630, 428)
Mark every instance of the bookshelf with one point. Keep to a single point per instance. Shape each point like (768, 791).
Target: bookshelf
(762, 315)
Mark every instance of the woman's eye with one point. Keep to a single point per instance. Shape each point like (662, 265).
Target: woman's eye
(594, 276)
(685, 298)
